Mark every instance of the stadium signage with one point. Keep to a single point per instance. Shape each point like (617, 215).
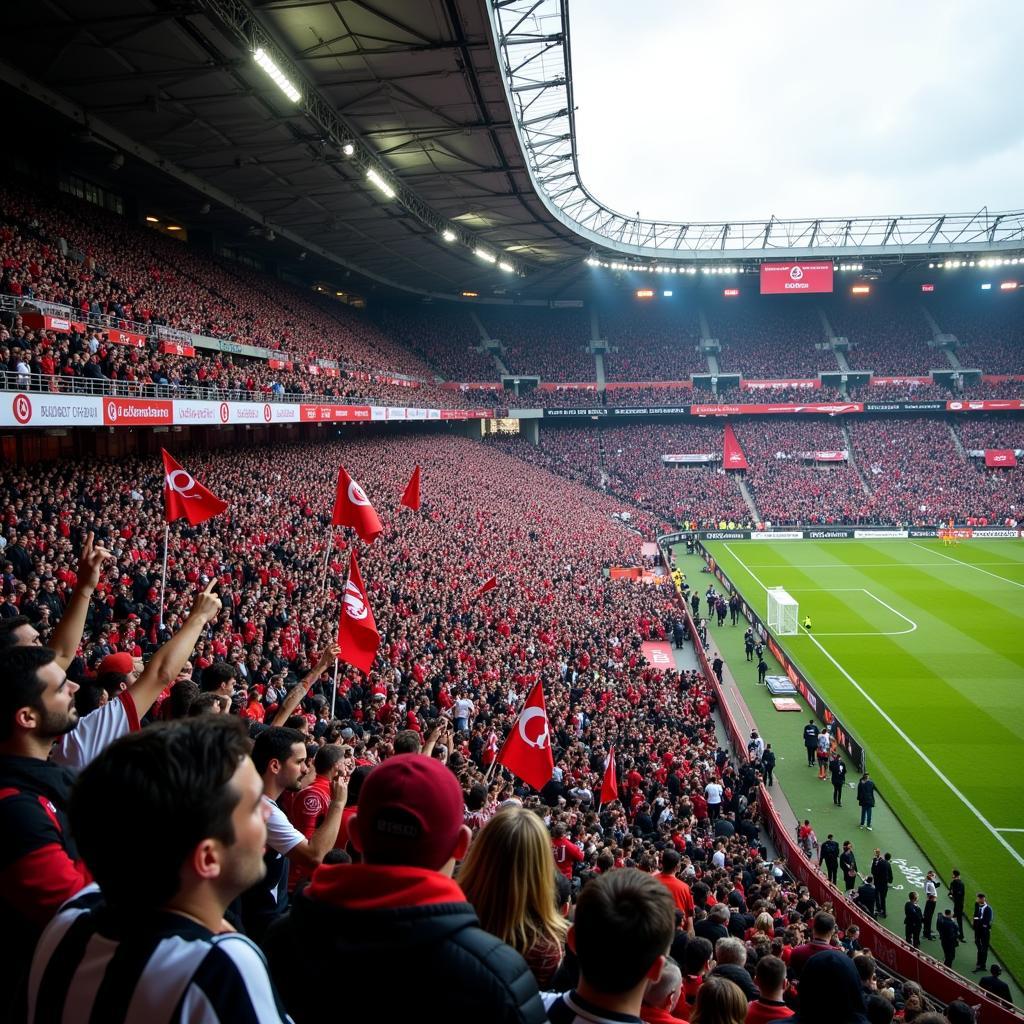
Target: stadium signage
(137, 412)
(778, 535)
(22, 410)
(988, 405)
(577, 413)
(880, 534)
(796, 278)
(987, 533)
(707, 457)
(904, 406)
(656, 410)
(829, 408)
(828, 534)
(773, 385)
(901, 380)
(827, 456)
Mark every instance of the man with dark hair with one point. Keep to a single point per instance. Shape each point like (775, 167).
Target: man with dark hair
(958, 893)
(401, 906)
(946, 927)
(770, 976)
(913, 918)
(218, 678)
(678, 889)
(624, 925)
(994, 984)
(829, 856)
(152, 927)
(40, 866)
(881, 875)
(281, 761)
(823, 927)
(982, 923)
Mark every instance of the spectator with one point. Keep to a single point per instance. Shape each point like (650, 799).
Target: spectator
(993, 983)
(195, 796)
(662, 996)
(509, 878)
(621, 937)
(830, 991)
(770, 977)
(400, 905)
(823, 931)
(719, 1001)
(730, 963)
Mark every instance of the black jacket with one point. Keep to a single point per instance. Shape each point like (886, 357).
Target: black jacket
(362, 920)
(738, 976)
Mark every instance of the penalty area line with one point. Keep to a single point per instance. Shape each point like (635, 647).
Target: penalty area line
(969, 565)
(899, 731)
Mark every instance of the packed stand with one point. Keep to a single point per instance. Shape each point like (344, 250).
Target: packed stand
(661, 398)
(787, 487)
(765, 341)
(887, 339)
(990, 331)
(991, 431)
(651, 342)
(771, 396)
(701, 493)
(551, 344)
(443, 335)
(917, 475)
(912, 392)
(572, 452)
(559, 398)
(998, 389)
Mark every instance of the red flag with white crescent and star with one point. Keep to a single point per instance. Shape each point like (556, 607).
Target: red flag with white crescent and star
(610, 785)
(358, 638)
(353, 508)
(527, 748)
(185, 497)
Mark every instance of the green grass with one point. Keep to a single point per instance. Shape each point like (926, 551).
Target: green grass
(920, 650)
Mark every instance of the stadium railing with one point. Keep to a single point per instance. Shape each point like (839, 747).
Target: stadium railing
(893, 953)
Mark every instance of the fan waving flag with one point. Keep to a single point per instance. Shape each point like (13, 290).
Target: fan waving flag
(484, 588)
(353, 508)
(185, 497)
(610, 785)
(411, 497)
(527, 749)
(358, 638)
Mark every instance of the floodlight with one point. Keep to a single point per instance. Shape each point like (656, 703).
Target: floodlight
(1008, 286)
(507, 267)
(986, 287)
(860, 289)
(375, 179)
(276, 75)
(348, 149)
(152, 219)
(448, 235)
(731, 293)
(666, 295)
(487, 257)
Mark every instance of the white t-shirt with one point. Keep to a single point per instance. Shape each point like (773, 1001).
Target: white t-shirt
(463, 708)
(713, 793)
(96, 731)
(282, 835)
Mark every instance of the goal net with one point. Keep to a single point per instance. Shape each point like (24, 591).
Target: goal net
(782, 613)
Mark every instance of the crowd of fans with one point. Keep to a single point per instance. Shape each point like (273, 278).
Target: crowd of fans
(989, 332)
(572, 452)
(552, 344)
(764, 340)
(651, 342)
(788, 487)
(888, 340)
(991, 430)
(916, 474)
(559, 398)
(911, 392)
(651, 396)
(768, 396)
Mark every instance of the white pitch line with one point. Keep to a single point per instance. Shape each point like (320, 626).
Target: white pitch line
(899, 731)
(1010, 829)
(878, 565)
(913, 624)
(968, 565)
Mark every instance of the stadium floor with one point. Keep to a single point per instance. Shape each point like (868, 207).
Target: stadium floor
(908, 639)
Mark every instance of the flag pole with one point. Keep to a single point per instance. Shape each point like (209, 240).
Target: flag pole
(163, 579)
(327, 559)
(334, 690)
(344, 587)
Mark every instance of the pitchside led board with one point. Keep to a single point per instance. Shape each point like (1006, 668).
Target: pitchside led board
(796, 278)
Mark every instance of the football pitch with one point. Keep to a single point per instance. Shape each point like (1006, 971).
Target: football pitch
(919, 649)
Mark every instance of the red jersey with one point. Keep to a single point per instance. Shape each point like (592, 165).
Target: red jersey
(566, 854)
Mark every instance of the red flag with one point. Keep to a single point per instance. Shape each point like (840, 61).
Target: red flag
(527, 748)
(357, 632)
(484, 588)
(411, 497)
(732, 454)
(185, 496)
(610, 786)
(353, 508)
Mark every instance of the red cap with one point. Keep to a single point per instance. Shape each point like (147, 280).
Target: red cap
(410, 812)
(121, 663)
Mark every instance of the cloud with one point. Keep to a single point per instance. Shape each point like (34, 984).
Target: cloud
(741, 110)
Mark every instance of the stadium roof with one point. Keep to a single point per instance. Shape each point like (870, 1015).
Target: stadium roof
(424, 96)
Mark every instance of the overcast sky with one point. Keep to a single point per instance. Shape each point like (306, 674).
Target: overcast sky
(707, 110)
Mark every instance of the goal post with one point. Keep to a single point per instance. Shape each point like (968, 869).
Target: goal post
(783, 613)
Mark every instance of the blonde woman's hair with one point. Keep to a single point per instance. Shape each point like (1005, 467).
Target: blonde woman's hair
(764, 922)
(719, 1001)
(509, 877)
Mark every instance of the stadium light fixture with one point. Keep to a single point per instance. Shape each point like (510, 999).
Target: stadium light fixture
(860, 289)
(448, 235)
(470, 295)
(487, 257)
(173, 227)
(987, 286)
(374, 178)
(927, 287)
(348, 149)
(666, 295)
(152, 219)
(1008, 286)
(731, 293)
(276, 75)
(505, 266)
(645, 293)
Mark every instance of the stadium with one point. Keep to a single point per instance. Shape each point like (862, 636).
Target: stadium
(426, 585)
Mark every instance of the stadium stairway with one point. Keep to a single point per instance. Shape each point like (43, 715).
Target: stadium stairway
(853, 461)
(956, 440)
(748, 498)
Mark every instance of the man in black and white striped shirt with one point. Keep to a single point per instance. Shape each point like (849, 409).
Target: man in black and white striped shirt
(149, 944)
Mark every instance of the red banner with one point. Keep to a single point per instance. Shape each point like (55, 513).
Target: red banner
(279, 364)
(39, 322)
(333, 413)
(137, 412)
(129, 338)
(176, 348)
(827, 456)
(769, 385)
(790, 278)
(1001, 378)
(732, 457)
(830, 408)
(988, 405)
(1000, 458)
(658, 655)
